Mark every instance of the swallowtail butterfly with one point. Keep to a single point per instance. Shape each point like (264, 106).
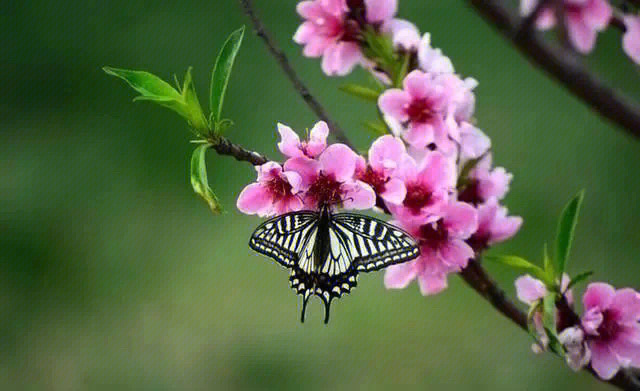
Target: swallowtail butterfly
(326, 251)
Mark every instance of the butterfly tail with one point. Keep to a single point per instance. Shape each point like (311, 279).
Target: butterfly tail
(327, 308)
(305, 299)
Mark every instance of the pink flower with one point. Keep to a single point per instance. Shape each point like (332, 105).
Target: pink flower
(485, 183)
(584, 19)
(432, 60)
(631, 38)
(442, 250)
(529, 290)
(404, 34)
(462, 102)
(612, 328)
(385, 157)
(577, 352)
(291, 146)
(427, 184)
(423, 105)
(333, 30)
(473, 142)
(275, 192)
(330, 180)
(494, 226)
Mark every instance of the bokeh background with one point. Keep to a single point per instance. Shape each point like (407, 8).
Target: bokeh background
(115, 276)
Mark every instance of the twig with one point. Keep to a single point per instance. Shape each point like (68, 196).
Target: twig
(564, 67)
(527, 24)
(282, 60)
(226, 147)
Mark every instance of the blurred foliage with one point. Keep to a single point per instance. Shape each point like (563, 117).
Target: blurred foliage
(113, 275)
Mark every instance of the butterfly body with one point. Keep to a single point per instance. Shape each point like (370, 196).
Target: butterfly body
(326, 251)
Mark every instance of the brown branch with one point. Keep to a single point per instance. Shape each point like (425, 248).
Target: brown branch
(564, 67)
(226, 147)
(282, 60)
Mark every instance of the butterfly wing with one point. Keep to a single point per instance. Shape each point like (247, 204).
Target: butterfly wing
(372, 244)
(286, 238)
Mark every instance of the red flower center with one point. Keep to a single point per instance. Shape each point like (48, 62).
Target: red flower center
(609, 328)
(433, 235)
(421, 110)
(417, 197)
(325, 190)
(376, 180)
(279, 187)
(471, 193)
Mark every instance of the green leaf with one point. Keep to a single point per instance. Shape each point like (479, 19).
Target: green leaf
(196, 117)
(151, 88)
(566, 231)
(377, 127)
(222, 71)
(549, 322)
(518, 263)
(223, 125)
(199, 179)
(578, 279)
(548, 267)
(463, 178)
(360, 91)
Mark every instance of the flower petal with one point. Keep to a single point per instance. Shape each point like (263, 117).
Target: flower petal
(254, 199)
(386, 154)
(456, 254)
(598, 295)
(358, 195)
(318, 139)
(626, 302)
(461, 219)
(432, 283)
(631, 38)
(289, 143)
(380, 10)
(394, 103)
(529, 289)
(399, 276)
(340, 161)
(603, 360)
(394, 191)
(581, 35)
(307, 168)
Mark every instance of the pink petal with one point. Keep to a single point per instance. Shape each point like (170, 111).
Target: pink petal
(591, 320)
(305, 33)
(417, 84)
(597, 14)
(269, 171)
(431, 284)
(318, 139)
(394, 191)
(394, 102)
(310, 9)
(598, 295)
(340, 161)
(294, 179)
(254, 199)
(317, 46)
(631, 38)
(432, 60)
(288, 204)
(505, 229)
(307, 168)
(380, 10)
(289, 143)
(358, 195)
(627, 350)
(603, 360)
(399, 276)
(527, 7)
(627, 303)
(461, 219)
(456, 253)
(340, 58)
(473, 142)
(334, 7)
(420, 135)
(581, 35)
(386, 153)
(546, 20)
(437, 172)
(529, 289)
(405, 34)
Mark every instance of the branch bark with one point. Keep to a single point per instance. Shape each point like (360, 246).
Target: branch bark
(291, 74)
(225, 147)
(564, 67)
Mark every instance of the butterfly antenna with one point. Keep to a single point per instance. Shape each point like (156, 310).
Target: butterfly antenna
(305, 299)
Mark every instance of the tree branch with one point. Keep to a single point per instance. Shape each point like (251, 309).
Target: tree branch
(564, 67)
(225, 147)
(282, 60)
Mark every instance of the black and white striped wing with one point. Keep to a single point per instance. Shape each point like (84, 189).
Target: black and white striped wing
(284, 237)
(371, 244)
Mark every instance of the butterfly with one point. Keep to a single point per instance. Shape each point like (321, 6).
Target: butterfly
(326, 251)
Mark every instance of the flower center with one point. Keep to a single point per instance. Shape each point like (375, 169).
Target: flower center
(471, 193)
(434, 234)
(375, 180)
(609, 328)
(279, 187)
(325, 190)
(420, 110)
(417, 197)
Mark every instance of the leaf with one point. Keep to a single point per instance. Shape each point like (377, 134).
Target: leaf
(360, 91)
(518, 263)
(463, 178)
(222, 71)
(151, 88)
(196, 117)
(566, 231)
(548, 267)
(549, 322)
(578, 279)
(199, 179)
(377, 127)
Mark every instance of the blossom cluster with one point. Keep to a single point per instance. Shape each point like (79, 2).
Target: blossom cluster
(584, 19)
(607, 335)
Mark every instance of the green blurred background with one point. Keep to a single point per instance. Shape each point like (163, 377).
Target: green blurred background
(115, 276)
